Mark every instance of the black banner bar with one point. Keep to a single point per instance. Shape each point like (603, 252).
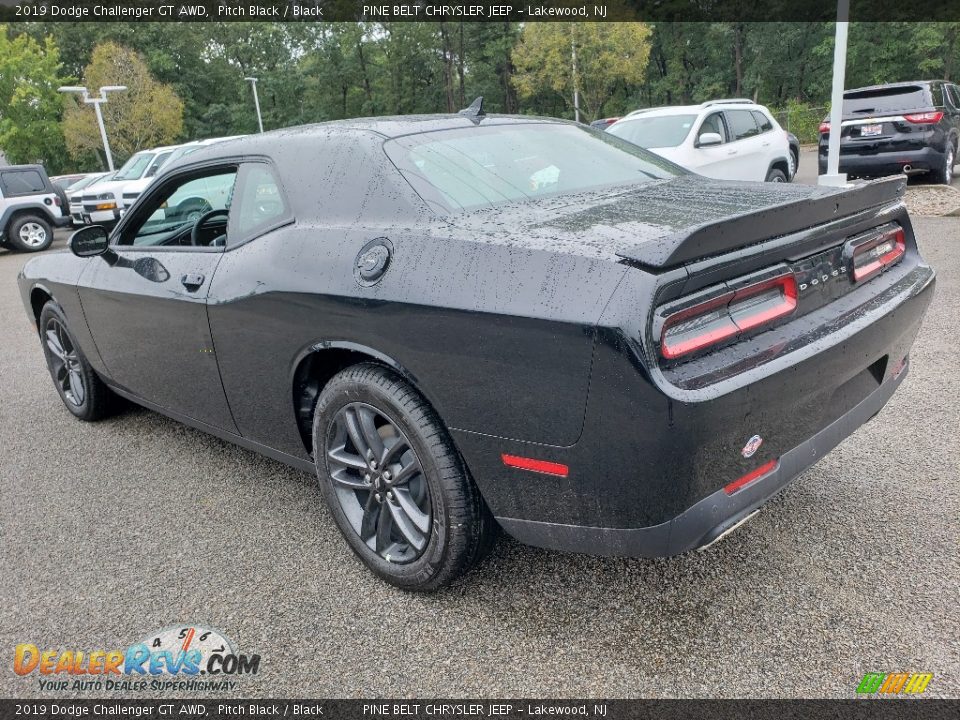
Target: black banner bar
(472, 10)
(218, 709)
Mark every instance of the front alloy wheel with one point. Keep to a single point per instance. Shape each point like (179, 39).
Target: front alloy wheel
(64, 363)
(83, 393)
(379, 483)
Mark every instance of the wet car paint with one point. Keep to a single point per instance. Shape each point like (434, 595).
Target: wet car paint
(526, 326)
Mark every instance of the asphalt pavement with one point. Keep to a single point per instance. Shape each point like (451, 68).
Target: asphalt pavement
(116, 529)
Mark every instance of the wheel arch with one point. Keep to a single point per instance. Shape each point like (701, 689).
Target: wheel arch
(39, 296)
(315, 367)
(782, 164)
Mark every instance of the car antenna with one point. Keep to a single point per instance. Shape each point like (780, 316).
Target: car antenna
(475, 110)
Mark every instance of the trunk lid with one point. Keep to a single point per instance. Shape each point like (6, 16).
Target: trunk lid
(663, 224)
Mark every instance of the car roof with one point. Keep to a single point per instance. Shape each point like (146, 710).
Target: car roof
(709, 106)
(904, 83)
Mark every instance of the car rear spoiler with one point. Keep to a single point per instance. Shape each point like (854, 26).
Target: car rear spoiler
(739, 231)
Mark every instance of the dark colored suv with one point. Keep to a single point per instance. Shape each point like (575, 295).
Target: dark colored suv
(909, 127)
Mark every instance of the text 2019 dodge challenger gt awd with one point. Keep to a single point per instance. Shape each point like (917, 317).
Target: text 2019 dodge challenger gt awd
(469, 321)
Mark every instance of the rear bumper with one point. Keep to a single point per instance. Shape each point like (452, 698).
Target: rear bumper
(708, 519)
(61, 221)
(886, 163)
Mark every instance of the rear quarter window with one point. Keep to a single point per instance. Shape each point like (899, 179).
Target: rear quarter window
(21, 182)
(762, 121)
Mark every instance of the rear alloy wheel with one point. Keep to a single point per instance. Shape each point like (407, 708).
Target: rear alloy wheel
(776, 175)
(395, 485)
(30, 233)
(945, 174)
(82, 392)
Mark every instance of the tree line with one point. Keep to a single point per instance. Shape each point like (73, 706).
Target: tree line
(187, 79)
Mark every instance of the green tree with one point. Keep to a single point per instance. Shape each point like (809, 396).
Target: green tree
(30, 106)
(147, 114)
(591, 58)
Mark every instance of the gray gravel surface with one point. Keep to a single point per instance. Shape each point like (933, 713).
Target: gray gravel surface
(115, 529)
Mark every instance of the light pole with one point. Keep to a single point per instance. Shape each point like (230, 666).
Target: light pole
(833, 175)
(256, 100)
(97, 102)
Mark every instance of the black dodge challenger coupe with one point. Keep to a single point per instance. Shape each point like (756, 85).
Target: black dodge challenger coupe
(469, 321)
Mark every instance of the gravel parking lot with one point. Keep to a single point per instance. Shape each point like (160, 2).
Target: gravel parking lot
(116, 529)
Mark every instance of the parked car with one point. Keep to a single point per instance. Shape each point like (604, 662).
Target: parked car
(722, 139)
(75, 194)
(910, 128)
(462, 322)
(103, 203)
(133, 189)
(30, 207)
(603, 123)
(794, 143)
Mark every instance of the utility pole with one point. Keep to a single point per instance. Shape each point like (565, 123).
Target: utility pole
(256, 100)
(576, 77)
(97, 102)
(833, 175)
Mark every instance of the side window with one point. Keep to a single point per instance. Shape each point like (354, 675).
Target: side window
(21, 182)
(259, 204)
(953, 94)
(714, 124)
(936, 93)
(169, 218)
(762, 121)
(158, 161)
(742, 124)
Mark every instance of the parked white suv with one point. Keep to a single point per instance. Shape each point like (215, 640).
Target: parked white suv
(102, 203)
(722, 139)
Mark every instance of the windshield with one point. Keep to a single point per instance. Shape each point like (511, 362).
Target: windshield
(134, 168)
(484, 166)
(654, 132)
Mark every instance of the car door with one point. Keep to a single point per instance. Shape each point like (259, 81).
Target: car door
(713, 160)
(747, 161)
(145, 300)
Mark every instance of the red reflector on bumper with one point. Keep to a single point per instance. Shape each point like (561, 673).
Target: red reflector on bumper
(750, 477)
(539, 466)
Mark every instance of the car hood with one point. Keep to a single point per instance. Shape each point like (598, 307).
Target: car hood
(111, 186)
(665, 222)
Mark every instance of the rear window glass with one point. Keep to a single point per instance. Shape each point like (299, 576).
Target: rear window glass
(906, 97)
(655, 132)
(484, 166)
(18, 182)
(762, 120)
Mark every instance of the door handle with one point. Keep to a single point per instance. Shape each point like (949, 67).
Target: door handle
(191, 281)
(732, 152)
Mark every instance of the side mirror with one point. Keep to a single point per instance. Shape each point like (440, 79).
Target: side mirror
(89, 241)
(709, 138)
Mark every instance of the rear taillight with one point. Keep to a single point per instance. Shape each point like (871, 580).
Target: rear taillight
(926, 118)
(56, 200)
(824, 127)
(870, 254)
(728, 312)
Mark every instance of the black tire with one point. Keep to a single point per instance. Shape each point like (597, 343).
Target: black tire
(29, 233)
(69, 368)
(460, 530)
(944, 174)
(795, 159)
(776, 175)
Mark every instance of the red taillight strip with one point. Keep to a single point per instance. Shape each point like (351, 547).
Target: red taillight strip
(701, 341)
(732, 326)
(750, 477)
(926, 118)
(889, 258)
(789, 304)
(539, 466)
